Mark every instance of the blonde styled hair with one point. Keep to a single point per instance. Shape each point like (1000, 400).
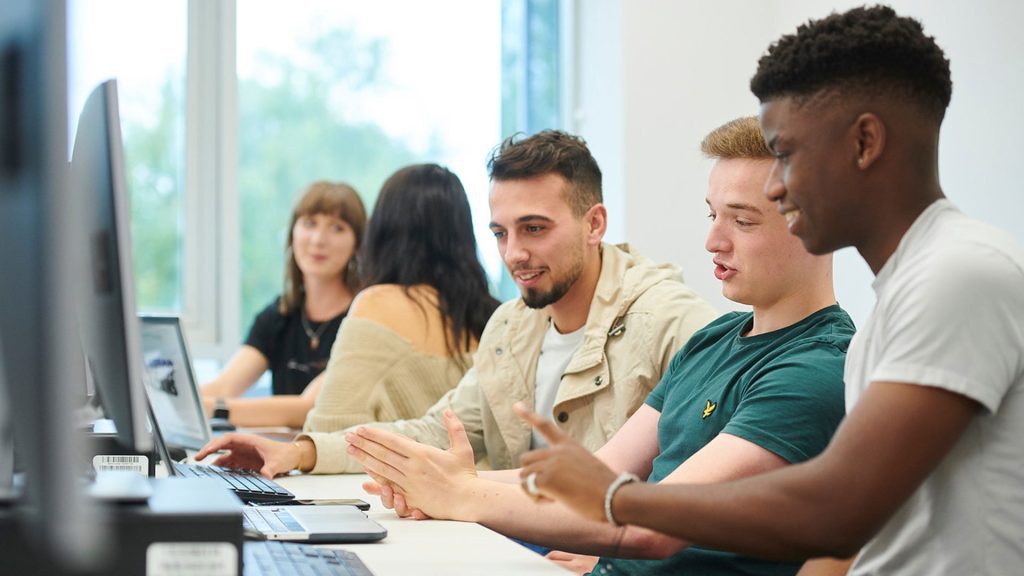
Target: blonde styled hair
(739, 138)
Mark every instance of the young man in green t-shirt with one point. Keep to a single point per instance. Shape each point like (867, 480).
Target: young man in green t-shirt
(751, 392)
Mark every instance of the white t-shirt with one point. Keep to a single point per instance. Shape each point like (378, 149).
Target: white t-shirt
(950, 314)
(555, 354)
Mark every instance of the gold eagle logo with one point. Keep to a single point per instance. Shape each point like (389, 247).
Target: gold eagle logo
(708, 409)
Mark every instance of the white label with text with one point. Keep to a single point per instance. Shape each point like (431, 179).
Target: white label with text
(131, 463)
(190, 558)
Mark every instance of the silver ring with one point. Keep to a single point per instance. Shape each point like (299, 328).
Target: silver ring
(531, 485)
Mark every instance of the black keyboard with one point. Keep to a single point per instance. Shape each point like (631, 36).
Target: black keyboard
(267, 558)
(249, 486)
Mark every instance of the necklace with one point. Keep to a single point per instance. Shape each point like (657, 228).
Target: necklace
(314, 335)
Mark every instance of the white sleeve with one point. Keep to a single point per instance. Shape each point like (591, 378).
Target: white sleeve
(958, 325)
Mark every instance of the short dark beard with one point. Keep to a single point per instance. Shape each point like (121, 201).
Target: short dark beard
(536, 299)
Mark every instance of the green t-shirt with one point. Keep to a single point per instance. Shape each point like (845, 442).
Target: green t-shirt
(782, 391)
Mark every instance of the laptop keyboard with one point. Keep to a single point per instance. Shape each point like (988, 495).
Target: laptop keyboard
(268, 519)
(248, 485)
(267, 558)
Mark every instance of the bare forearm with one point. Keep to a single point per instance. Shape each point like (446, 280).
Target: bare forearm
(287, 411)
(828, 506)
(826, 567)
(218, 388)
(242, 371)
(504, 507)
(788, 518)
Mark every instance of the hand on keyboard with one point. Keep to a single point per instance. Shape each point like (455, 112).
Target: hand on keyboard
(251, 452)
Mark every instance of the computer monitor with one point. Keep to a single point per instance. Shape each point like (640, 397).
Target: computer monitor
(40, 354)
(107, 318)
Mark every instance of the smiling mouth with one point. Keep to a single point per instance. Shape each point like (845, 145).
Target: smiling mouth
(791, 216)
(527, 276)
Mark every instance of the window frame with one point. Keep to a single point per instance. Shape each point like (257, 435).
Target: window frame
(210, 304)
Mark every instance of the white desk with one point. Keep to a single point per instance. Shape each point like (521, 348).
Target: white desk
(428, 546)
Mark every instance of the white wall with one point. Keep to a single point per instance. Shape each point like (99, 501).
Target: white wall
(597, 100)
(685, 67)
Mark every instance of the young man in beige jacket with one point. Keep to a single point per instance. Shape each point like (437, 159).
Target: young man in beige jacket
(751, 392)
(595, 328)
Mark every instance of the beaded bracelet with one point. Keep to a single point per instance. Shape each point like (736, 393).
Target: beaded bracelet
(624, 478)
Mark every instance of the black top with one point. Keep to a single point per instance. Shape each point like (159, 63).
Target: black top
(288, 348)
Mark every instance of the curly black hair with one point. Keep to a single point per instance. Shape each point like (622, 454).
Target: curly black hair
(869, 50)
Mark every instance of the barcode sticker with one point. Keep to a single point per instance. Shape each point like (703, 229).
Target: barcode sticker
(132, 463)
(188, 558)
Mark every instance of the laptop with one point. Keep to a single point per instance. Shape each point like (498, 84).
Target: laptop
(173, 395)
(171, 383)
(325, 523)
(295, 523)
(177, 415)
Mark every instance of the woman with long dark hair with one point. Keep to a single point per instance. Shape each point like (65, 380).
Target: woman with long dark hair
(411, 331)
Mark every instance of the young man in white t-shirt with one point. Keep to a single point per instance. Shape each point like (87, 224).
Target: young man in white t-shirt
(926, 474)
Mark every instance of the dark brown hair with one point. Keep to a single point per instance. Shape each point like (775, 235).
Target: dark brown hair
(550, 152)
(422, 233)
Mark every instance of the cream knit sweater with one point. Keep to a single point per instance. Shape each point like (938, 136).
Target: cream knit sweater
(375, 375)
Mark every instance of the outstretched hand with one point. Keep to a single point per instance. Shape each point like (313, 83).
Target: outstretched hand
(268, 457)
(565, 471)
(415, 479)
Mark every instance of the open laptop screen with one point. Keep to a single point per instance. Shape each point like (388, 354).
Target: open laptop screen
(170, 383)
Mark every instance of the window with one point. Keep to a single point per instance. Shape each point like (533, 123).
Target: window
(230, 109)
(532, 96)
(353, 91)
(531, 64)
(149, 64)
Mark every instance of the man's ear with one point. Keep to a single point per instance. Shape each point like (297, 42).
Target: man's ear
(595, 221)
(869, 134)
